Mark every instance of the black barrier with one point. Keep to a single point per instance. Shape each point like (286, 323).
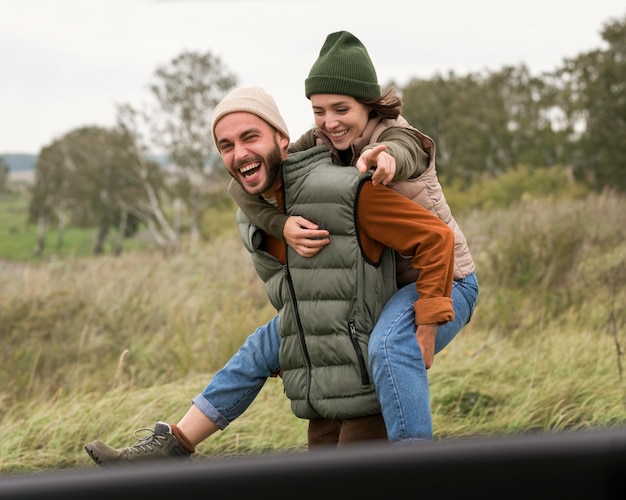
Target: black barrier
(570, 465)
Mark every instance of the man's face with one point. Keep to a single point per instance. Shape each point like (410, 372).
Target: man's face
(252, 151)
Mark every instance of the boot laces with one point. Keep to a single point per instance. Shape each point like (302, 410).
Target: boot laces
(146, 443)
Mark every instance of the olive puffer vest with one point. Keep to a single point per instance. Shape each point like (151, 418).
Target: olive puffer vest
(327, 304)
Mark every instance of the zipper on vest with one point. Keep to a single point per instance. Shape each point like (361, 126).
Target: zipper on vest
(296, 312)
(365, 377)
(301, 336)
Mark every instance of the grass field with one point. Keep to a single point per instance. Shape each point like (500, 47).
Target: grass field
(96, 347)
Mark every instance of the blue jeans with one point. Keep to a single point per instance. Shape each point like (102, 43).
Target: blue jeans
(395, 361)
(233, 388)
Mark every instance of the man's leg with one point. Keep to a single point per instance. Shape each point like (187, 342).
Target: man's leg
(369, 428)
(229, 393)
(396, 362)
(323, 432)
(334, 433)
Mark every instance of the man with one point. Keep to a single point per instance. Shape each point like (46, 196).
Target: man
(327, 304)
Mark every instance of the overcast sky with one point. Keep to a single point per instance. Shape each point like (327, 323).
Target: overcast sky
(67, 63)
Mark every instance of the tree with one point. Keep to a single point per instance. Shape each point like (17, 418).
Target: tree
(50, 193)
(186, 91)
(147, 206)
(86, 178)
(594, 96)
(4, 175)
(486, 123)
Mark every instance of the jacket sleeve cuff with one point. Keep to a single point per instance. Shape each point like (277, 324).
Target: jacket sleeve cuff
(433, 310)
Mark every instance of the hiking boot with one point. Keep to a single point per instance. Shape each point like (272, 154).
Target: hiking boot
(161, 443)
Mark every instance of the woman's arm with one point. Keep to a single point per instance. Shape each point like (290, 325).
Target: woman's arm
(402, 156)
(259, 211)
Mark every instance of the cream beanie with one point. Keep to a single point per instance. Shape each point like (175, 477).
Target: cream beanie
(250, 100)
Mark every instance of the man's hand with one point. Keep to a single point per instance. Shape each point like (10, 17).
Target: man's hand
(384, 163)
(304, 236)
(425, 335)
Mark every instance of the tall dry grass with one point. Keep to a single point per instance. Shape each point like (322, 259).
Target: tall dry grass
(98, 347)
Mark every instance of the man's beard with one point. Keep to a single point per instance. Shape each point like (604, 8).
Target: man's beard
(273, 163)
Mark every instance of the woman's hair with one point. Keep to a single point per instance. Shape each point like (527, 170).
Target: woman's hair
(388, 105)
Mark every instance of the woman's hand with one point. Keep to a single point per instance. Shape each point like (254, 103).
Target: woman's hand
(383, 162)
(425, 335)
(304, 236)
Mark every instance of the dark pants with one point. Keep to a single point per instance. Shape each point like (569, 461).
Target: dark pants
(326, 432)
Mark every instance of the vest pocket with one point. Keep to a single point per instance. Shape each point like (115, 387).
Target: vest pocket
(365, 376)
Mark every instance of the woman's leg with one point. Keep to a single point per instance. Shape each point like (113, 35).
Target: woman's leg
(396, 362)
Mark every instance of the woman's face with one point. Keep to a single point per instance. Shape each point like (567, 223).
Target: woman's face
(341, 117)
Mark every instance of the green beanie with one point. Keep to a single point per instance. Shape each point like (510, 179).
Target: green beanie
(343, 67)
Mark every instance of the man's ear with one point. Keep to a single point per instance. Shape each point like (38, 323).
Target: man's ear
(284, 143)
